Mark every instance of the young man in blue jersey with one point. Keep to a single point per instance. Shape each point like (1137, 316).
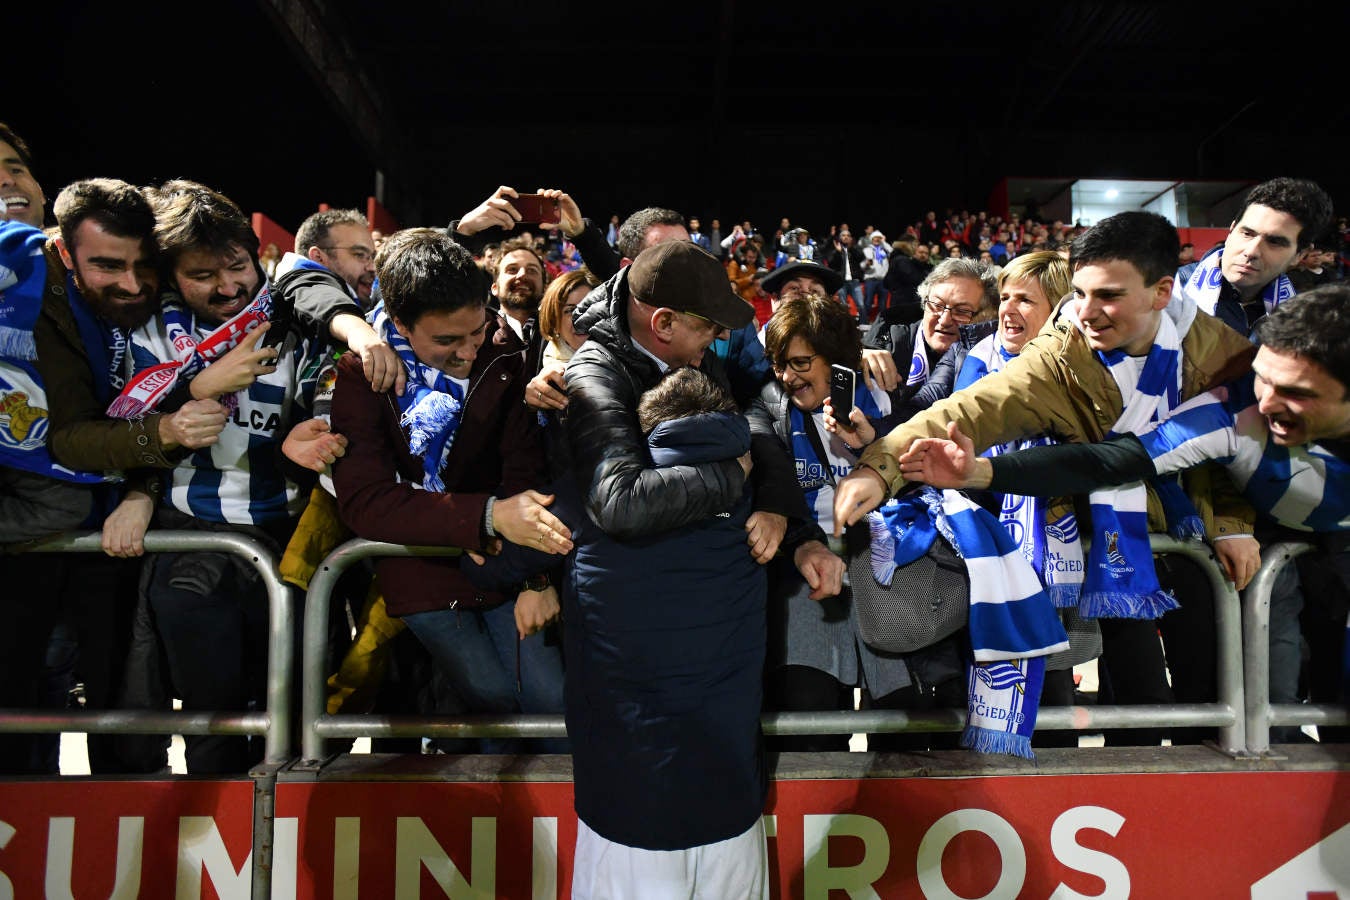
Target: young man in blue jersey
(1283, 432)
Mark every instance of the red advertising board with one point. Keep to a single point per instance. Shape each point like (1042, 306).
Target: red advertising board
(122, 839)
(1258, 835)
(1225, 835)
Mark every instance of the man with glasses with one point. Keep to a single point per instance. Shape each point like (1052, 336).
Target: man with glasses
(955, 293)
(338, 241)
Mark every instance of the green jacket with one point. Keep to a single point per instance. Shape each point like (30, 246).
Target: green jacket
(80, 435)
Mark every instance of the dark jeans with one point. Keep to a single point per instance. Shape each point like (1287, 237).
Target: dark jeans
(213, 621)
(95, 597)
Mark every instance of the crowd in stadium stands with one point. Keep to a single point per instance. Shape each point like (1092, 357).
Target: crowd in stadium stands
(649, 552)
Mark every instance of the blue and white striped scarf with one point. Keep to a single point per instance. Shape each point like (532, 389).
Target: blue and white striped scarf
(1013, 625)
(1054, 549)
(1121, 581)
(918, 361)
(23, 396)
(816, 476)
(431, 406)
(1205, 283)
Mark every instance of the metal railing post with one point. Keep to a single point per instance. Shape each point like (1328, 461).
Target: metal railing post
(1228, 638)
(318, 600)
(274, 724)
(1256, 640)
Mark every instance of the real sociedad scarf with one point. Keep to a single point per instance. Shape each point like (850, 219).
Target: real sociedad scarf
(148, 388)
(814, 474)
(431, 406)
(23, 397)
(918, 362)
(1013, 625)
(1206, 282)
(23, 275)
(1054, 549)
(1121, 581)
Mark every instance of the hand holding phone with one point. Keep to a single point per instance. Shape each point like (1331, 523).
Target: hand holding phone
(536, 208)
(842, 380)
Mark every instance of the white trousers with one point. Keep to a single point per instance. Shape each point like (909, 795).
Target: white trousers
(734, 869)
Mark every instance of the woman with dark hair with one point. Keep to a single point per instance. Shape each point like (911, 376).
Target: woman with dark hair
(816, 657)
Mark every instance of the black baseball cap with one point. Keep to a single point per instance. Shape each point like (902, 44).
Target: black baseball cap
(681, 275)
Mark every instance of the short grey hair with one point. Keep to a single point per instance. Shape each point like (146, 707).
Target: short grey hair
(960, 267)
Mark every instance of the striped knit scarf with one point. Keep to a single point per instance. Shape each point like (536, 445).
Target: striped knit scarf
(1203, 287)
(431, 406)
(148, 388)
(1054, 549)
(1013, 625)
(1121, 581)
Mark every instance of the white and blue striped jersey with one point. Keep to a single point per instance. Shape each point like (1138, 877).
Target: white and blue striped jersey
(1304, 487)
(238, 480)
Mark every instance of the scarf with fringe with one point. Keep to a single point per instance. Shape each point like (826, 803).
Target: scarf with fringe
(1121, 581)
(1054, 549)
(1013, 625)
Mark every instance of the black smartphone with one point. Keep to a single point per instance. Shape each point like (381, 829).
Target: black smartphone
(841, 394)
(283, 313)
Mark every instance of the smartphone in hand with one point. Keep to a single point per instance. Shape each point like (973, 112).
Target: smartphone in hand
(535, 208)
(842, 380)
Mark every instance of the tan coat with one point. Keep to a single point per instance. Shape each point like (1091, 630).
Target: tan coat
(1057, 386)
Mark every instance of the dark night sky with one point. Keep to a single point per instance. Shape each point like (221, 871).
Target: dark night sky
(864, 114)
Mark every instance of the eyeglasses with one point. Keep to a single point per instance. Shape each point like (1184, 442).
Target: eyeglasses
(796, 363)
(359, 253)
(958, 313)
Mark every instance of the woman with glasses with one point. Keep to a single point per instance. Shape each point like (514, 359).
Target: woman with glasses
(816, 658)
(957, 292)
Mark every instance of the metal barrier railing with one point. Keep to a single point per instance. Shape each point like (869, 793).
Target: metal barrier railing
(317, 725)
(1260, 713)
(274, 724)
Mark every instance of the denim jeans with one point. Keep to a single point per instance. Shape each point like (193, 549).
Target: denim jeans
(1286, 646)
(853, 289)
(873, 290)
(476, 650)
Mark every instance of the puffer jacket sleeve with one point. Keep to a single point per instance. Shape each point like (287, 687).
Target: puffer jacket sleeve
(318, 297)
(624, 494)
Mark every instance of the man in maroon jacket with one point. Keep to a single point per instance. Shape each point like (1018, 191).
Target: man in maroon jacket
(452, 462)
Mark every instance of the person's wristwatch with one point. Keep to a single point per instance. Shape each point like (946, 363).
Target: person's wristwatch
(536, 583)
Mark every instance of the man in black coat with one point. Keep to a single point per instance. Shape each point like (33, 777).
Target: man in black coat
(663, 635)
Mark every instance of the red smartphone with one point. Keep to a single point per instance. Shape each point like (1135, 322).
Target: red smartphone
(535, 208)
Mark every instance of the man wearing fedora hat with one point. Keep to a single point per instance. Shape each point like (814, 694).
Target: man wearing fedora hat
(664, 674)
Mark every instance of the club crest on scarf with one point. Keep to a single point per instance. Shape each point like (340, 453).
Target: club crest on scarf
(22, 426)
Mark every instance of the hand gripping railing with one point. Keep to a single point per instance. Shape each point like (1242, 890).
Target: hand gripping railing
(1260, 713)
(274, 723)
(316, 724)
